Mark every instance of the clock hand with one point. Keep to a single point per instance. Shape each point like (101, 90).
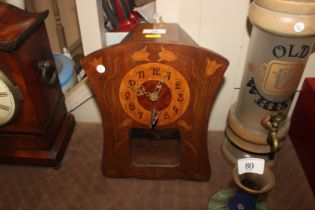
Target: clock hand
(154, 96)
(140, 90)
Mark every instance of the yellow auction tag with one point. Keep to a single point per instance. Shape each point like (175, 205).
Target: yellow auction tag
(153, 36)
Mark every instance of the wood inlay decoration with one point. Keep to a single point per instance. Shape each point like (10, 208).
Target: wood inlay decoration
(155, 99)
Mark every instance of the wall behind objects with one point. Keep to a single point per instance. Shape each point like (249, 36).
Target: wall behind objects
(221, 26)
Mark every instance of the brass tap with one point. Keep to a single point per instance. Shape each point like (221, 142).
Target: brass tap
(272, 138)
(272, 124)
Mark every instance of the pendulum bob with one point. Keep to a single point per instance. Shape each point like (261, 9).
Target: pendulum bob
(281, 41)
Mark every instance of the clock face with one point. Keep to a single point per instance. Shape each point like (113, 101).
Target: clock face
(154, 89)
(9, 102)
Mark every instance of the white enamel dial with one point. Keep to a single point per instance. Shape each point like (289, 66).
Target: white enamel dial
(9, 102)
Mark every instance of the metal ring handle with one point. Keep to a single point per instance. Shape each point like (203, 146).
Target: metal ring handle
(47, 72)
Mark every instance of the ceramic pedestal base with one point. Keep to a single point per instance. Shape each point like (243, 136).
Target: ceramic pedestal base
(234, 199)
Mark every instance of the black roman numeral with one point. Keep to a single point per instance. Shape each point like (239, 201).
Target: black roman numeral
(4, 107)
(3, 94)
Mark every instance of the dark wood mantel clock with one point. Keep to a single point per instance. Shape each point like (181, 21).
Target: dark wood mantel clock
(155, 91)
(35, 127)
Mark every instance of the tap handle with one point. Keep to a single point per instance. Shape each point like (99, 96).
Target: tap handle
(272, 124)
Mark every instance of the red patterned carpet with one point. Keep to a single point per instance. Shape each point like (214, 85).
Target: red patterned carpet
(80, 185)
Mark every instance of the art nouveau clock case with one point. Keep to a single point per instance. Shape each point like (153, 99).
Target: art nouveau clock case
(35, 127)
(154, 91)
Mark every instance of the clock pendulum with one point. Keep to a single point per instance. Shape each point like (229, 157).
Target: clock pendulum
(35, 127)
(154, 91)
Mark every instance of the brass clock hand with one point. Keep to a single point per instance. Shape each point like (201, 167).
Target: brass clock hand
(140, 90)
(154, 96)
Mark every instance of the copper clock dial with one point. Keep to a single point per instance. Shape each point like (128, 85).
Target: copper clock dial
(154, 86)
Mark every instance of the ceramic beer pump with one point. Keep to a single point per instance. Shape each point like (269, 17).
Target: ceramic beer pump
(281, 42)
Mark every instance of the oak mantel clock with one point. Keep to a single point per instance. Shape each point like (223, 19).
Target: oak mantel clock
(155, 90)
(35, 127)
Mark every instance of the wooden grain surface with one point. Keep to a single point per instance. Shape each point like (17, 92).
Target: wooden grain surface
(41, 132)
(202, 69)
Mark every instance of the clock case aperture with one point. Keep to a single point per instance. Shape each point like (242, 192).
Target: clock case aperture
(155, 97)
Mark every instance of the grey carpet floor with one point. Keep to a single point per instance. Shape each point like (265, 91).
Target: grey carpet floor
(80, 185)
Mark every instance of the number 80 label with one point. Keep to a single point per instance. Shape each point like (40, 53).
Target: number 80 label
(250, 165)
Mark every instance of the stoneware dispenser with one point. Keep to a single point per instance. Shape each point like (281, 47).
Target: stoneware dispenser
(281, 42)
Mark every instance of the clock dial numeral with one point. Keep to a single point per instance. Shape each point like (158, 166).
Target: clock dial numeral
(141, 74)
(4, 107)
(131, 83)
(131, 106)
(140, 114)
(154, 86)
(178, 85)
(166, 116)
(9, 101)
(3, 94)
(180, 97)
(155, 71)
(168, 75)
(175, 109)
(127, 95)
